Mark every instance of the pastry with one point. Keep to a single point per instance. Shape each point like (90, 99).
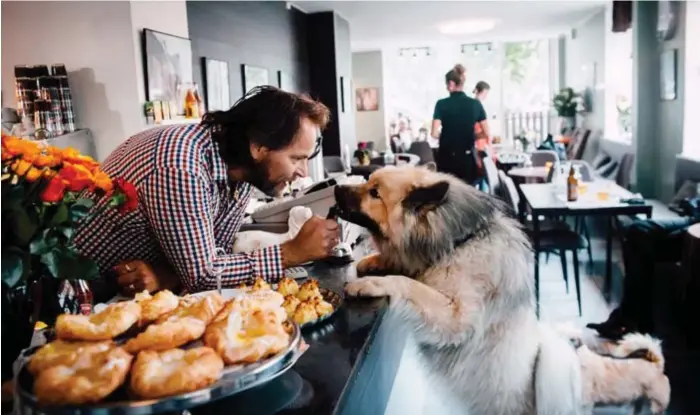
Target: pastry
(309, 290)
(89, 379)
(261, 284)
(114, 320)
(247, 337)
(290, 304)
(157, 305)
(174, 372)
(322, 307)
(202, 307)
(305, 313)
(288, 286)
(66, 353)
(167, 335)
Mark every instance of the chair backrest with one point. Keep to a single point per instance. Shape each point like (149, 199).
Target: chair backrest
(491, 175)
(624, 172)
(584, 169)
(333, 164)
(540, 158)
(422, 149)
(580, 145)
(510, 192)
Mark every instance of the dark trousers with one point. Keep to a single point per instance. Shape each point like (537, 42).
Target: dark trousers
(646, 243)
(460, 164)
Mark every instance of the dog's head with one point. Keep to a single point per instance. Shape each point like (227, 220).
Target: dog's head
(416, 210)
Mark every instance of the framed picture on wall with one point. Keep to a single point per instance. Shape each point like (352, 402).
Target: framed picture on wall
(167, 65)
(669, 60)
(367, 99)
(285, 82)
(254, 76)
(216, 85)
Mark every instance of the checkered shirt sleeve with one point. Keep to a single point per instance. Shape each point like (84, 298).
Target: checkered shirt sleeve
(178, 206)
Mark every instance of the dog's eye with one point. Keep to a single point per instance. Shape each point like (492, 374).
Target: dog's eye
(374, 192)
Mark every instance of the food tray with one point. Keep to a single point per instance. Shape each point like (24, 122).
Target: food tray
(234, 379)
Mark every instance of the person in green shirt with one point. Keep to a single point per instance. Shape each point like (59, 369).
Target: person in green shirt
(454, 121)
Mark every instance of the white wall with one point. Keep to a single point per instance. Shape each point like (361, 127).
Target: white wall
(367, 71)
(97, 41)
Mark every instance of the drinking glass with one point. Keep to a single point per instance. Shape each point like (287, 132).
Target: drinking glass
(215, 268)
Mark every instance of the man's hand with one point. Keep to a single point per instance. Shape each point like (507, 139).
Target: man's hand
(315, 241)
(136, 276)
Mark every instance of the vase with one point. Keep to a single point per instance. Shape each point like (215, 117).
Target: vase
(568, 124)
(42, 299)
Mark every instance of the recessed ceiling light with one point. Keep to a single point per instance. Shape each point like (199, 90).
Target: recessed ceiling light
(463, 27)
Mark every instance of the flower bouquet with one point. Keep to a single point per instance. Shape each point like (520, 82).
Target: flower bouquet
(46, 193)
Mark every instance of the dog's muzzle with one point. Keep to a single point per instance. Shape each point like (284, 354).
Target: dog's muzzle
(348, 208)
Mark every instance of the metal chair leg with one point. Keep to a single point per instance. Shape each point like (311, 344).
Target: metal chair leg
(577, 280)
(564, 268)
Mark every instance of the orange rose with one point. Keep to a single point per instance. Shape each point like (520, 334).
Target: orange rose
(54, 191)
(47, 159)
(77, 177)
(73, 156)
(103, 181)
(20, 167)
(33, 174)
(13, 147)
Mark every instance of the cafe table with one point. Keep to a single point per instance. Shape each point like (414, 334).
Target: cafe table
(600, 197)
(529, 174)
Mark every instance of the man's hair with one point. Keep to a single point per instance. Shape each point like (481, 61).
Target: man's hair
(266, 116)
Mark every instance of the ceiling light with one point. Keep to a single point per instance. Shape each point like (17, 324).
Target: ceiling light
(463, 27)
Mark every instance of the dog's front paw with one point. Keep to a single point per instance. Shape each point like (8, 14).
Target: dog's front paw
(370, 264)
(369, 287)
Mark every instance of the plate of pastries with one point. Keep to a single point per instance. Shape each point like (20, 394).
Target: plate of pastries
(305, 303)
(160, 352)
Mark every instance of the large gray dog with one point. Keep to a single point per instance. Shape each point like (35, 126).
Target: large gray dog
(457, 269)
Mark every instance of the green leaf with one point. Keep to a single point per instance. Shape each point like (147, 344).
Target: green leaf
(24, 227)
(44, 242)
(88, 203)
(12, 268)
(66, 263)
(78, 211)
(51, 259)
(60, 216)
(85, 268)
(12, 197)
(67, 231)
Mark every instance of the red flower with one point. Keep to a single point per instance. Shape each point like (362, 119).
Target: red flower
(130, 197)
(54, 190)
(77, 177)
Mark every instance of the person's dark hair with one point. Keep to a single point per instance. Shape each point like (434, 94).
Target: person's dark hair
(481, 86)
(266, 116)
(456, 75)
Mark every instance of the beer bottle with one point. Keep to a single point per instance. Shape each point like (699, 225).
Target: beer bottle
(572, 185)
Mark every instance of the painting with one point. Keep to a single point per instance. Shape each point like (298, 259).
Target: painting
(285, 82)
(216, 85)
(254, 76)
(669, 60)
(367, 99)
(168, 65)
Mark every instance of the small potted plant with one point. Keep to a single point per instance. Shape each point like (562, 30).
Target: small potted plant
(568, 103)
(46, 192)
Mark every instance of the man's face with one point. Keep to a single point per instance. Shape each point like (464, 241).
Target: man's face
(481, 96)
(276, 168)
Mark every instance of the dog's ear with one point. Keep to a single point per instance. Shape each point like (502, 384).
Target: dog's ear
(427, 197)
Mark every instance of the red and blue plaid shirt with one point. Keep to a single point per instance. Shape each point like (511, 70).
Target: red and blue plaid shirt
(187, 209)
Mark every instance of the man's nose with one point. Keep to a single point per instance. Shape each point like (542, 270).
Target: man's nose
(303, 170)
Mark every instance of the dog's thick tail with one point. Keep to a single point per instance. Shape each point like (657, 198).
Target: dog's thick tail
(557, 376)
(640, 345)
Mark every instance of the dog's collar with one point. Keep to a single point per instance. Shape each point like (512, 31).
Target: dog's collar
(463, 240)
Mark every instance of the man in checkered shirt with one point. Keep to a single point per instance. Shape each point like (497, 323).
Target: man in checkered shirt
(194, 183)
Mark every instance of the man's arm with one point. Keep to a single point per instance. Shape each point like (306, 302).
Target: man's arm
(481, 119)
(437, 122)
(178, 207)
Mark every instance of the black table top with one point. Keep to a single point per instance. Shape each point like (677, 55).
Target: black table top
(337, 368)
(542, 200)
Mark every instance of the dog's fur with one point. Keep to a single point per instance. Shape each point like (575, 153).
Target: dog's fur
(622, 372)
(459, 273)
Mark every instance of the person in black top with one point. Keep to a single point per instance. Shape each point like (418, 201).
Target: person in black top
(454, 121)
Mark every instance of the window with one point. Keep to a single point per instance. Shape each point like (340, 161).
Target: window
(691, 121)
(518, 73)
(618, 82)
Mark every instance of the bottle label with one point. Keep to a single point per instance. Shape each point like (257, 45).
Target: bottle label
(86, 309)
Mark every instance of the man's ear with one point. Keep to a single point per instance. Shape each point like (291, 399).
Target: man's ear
(258, 152)
(427, 197)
